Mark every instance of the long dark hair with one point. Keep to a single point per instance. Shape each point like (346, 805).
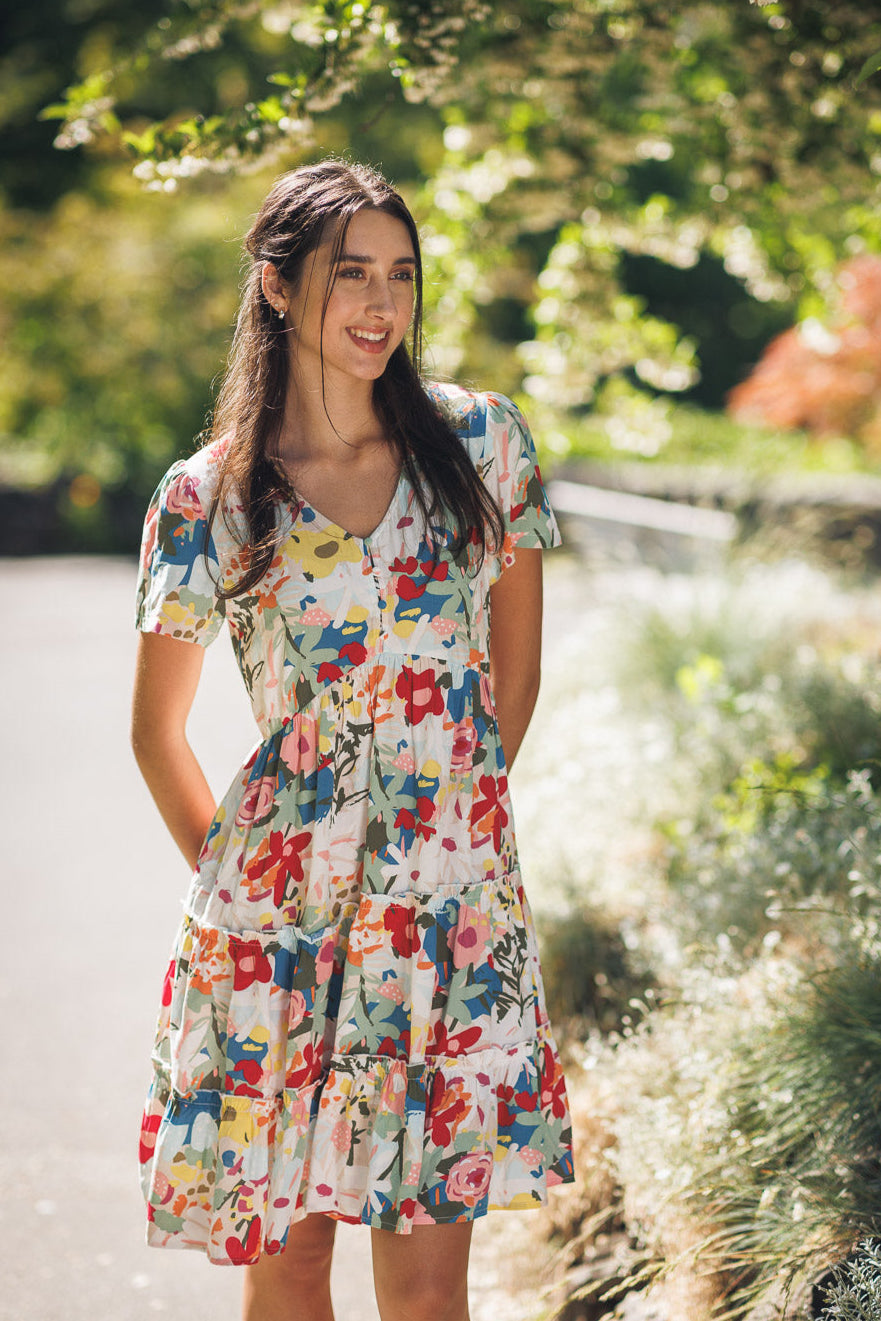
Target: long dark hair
(303, 208)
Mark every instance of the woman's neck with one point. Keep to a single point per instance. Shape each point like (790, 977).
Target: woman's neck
(335, 423)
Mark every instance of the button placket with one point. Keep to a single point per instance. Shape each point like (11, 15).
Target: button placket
(381, 602)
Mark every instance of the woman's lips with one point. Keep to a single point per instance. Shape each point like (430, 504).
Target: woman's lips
(366, 339)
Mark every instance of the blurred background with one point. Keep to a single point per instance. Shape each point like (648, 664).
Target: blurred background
(658, 227)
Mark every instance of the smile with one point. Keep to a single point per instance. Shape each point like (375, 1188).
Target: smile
(372, 341)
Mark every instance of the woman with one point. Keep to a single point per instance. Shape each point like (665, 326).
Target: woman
(352, 1025)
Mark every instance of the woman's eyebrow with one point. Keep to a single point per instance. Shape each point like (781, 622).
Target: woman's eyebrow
(357, 257)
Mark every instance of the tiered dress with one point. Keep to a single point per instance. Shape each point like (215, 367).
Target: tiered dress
(352, 1020)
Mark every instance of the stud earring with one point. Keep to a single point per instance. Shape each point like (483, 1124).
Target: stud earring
(279, 311)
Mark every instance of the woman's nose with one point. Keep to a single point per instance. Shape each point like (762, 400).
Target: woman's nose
(380, 298)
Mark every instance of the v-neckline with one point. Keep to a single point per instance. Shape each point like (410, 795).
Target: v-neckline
(302, 503)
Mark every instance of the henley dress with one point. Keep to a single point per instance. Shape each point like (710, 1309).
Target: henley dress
(352, 1021)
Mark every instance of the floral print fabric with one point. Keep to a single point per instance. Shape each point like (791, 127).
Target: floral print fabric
(352, 1020)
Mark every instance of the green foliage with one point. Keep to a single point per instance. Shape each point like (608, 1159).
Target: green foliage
(627, 425)
(314, 56)
(778, 750)
(764, 1131)
(580, 136)
(590, 976)
(854, 1293)
(114, 321)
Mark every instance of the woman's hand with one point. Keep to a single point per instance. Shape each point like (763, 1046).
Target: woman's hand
(515, 647)
(166, 679)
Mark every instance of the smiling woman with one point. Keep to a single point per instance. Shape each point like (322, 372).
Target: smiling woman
(353, 1024)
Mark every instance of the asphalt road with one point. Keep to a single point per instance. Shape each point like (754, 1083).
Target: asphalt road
(92, 888)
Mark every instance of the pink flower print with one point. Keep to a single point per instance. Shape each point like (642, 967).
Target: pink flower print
(412, 1177)
(464, 743)
(299, 747)
(315, 615)
(256, 801)
(473, 933)
(444, 628)
(161, 1190)
(181, 498)
(468, 1180)
(405, 761)
(392, 991)
(298, 1110)
(341, 1136)
(324, 962)
(297, 1010)
(394, 1093)
(530, 1157)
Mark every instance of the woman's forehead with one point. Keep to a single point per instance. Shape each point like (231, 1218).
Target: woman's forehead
(368, 233)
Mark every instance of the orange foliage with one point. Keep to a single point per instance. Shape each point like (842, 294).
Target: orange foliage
(826, 381)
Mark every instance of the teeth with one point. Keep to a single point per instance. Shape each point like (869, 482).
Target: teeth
(373, 335)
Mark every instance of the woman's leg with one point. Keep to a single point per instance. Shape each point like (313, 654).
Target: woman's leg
(422, 1276)
(295, 1284)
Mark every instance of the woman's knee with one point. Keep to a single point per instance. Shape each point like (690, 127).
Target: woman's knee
(422, 1276)
(305, 1263)
(431, 1299)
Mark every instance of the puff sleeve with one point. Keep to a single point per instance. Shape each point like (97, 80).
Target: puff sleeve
(177, 588)
(511, 472)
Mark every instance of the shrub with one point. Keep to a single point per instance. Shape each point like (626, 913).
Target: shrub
(590, 976)
(749, 1144)
(854, 1292)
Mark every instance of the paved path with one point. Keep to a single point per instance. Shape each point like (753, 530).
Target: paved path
(93, 886)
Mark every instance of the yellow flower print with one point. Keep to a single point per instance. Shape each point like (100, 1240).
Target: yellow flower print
(318, 553)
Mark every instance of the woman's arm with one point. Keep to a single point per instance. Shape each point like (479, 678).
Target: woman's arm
(515, 647)
(166, 679)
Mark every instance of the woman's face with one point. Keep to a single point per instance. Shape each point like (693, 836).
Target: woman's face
(370, 305)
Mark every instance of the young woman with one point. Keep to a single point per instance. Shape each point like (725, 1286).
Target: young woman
(352, 1025)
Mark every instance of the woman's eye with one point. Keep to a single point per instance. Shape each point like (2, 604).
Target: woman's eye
(352, 273)
(404, 275)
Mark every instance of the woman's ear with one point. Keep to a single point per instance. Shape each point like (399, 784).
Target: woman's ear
(273, 288)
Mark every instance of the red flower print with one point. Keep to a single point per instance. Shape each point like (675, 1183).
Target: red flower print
(405, 820)
(167, 984)
(305, 1068)
(395, 1047)
(553, 1085)
(405, 937)
(282, 858)
(452, 1043)
(425, 807)
(149, 1129)
(328, 672)
(409, 587)
(487, 813)
(421, 694)
(244, 1254)
(447, 1108)
(251, 964)
(355, 652)
(244, 1077)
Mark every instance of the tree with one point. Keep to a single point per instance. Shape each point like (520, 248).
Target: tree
(578, 132)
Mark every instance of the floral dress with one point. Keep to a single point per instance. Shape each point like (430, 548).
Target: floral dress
(352, 1021)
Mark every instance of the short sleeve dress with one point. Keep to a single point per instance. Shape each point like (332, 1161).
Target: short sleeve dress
(352, 1021)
